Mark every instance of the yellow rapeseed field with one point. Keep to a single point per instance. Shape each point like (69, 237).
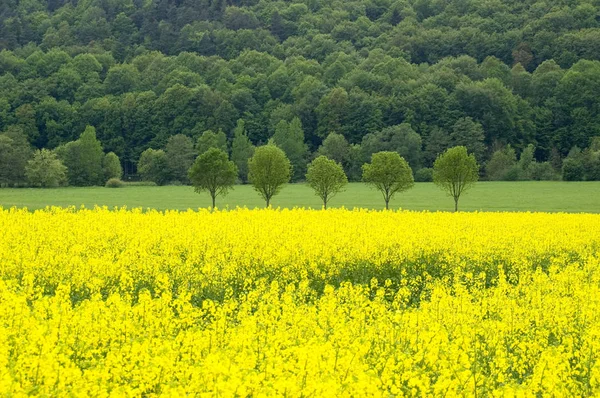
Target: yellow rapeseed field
(98, 303)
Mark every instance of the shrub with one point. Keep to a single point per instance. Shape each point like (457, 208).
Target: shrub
(573, 170)
(424, 175)
(543, 171)
(114, 183)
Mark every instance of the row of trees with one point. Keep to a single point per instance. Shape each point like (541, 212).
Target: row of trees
(86, 163)
(269, 170)
(51, 96)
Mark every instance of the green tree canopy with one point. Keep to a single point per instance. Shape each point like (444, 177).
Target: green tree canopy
(214, 173)
(389, 173)
(210, 139)
(241, 150)
(455, 171)
(180, 156)
(45, 170)
(290, 138)
(268, 171)
(153, 166)
(326, 178)
(112, 166)
(83, 159)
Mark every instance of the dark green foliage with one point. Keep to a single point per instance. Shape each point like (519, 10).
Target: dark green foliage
(153, 166)
(573, 170)
(268, 171)
(502, 163)
(402, 139)
(424, 175)
(15, 151)
(45, 170)
(389, 173)
(519, 73)
(214, 173)
(290, 138)
(84, 159)
(180, 156)
(241, 151)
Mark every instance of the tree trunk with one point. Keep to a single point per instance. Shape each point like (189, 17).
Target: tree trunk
(455, 205)
(325, 204)
(214, 199)
(387, 203)
(268, 201)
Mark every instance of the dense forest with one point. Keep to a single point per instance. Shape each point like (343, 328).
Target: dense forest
(517, 82)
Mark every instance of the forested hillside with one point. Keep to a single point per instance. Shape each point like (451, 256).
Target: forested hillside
(416, 76)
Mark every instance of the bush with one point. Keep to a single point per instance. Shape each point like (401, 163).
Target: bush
(515, 173)
(114, 183)
(424, 175)
(573, 170)
(542, 171)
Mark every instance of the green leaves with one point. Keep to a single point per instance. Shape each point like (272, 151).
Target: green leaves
(268, 170)
(326, 177)
(389, 173)
(214, 173)
(455, 171)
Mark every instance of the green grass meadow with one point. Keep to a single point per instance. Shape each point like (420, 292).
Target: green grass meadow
(485, 196)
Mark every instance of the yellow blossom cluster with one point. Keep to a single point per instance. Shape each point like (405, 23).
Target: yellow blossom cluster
(298, 303)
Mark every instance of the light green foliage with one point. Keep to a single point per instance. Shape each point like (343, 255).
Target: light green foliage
(455, 171)
(45, 170)
(112, 166)
(290, 138)
(389, 173)
(268, 171)
(326, 177)
(153, 166)
(210, 139)
(241, 150)
(180, 156)
(83, 159)
(114, 183)
(214, 173)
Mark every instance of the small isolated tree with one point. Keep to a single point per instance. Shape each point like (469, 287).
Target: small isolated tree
(389, 173)
(268, 170)
(112, 166)
(45, 170)
(214, 173)
(153, 166)
(326, 177)
(455, 171)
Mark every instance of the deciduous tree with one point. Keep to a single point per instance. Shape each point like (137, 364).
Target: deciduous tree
(389, 173)
(268, 171)
(326, 177)
(214, 173)
(455, 171)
